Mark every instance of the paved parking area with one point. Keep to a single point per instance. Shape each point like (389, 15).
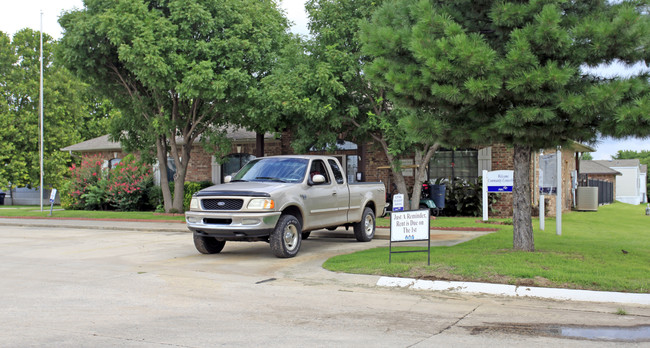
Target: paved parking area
(64, 286)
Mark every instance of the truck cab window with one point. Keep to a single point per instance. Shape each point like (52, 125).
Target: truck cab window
(338, 175)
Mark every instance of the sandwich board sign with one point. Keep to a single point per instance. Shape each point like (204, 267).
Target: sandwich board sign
(410, 226)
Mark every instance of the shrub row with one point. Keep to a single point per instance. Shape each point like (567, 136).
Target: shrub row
(126, 187)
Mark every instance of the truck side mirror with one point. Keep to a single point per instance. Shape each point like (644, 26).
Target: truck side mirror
(227, 179)
(318, 179)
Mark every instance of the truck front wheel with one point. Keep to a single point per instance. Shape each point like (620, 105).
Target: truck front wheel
(364, 230)
(208, 245)
(287, 236)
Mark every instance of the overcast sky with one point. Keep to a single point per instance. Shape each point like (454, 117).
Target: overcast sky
(19, 14)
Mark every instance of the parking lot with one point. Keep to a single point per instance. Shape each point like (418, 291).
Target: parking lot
(101, 286)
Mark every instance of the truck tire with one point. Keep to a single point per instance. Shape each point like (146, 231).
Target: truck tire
(208, 245)
(287, 236)
(364, 230)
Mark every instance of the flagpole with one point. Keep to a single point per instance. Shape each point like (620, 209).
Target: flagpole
(41, 109)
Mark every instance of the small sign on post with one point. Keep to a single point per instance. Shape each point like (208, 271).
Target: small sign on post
(398, 202)
(495, 181)
(410, 226)
(52, 199)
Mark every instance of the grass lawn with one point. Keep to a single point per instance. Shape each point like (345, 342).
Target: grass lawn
(588, 255)
(35, 211)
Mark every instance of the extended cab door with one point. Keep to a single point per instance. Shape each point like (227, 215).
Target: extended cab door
(322, 201)
(342, 192)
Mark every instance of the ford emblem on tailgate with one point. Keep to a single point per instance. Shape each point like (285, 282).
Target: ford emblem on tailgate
(221, 204)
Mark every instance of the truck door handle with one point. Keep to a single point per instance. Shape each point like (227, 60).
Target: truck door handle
(334, 193)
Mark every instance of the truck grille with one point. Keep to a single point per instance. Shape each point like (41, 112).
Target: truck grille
(222, 204)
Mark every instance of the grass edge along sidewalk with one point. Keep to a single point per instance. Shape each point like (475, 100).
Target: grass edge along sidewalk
(607, 250)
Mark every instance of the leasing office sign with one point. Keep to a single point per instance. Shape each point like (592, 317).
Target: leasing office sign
(499, 181)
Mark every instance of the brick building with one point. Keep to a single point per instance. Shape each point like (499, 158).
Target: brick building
(363, 162)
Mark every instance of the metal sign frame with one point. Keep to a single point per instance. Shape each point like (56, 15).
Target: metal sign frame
(394, 215)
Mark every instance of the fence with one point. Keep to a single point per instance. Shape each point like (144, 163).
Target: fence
(605, 189)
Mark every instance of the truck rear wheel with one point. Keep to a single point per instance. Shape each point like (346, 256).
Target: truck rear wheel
(287, 236)
(364, 230)
(208, 245)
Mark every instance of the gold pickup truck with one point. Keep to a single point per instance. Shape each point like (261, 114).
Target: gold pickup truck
(280, 200)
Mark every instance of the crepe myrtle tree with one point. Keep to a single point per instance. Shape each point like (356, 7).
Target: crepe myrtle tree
(178, 70)
(320, 91)
(512, 72)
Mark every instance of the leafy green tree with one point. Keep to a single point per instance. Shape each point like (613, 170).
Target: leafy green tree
(320, 90)
(179, 71)
(66, 103)
(511, 72)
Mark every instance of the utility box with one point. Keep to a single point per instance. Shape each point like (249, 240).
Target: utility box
(587, 198)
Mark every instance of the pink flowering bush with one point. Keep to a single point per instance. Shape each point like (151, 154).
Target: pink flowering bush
(84, 179)
(127, 185)
(91, 187)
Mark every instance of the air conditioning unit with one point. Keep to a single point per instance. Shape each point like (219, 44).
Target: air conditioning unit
(587, 198)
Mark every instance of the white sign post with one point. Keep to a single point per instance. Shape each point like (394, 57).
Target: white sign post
(52, 199)
(558, 194)
(410, 226)
(495, 181)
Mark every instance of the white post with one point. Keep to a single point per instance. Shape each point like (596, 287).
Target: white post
(558, 193)
(541, 212)
(485, 196)
(41, 99)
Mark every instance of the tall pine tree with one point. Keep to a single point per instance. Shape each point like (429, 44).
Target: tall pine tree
(512, 72)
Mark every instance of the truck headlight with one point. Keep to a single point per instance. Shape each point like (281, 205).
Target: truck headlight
(261, 203)
(194, 204)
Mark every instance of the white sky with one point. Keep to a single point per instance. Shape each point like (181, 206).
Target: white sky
(19, 14)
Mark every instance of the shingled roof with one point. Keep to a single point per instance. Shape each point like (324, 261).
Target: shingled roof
(97, 144)
(104, 144)
(620, 163)
(594, 167)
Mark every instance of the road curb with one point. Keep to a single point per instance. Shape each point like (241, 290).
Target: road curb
(516, 291)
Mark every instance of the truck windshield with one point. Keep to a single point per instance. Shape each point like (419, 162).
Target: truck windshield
(273, 169)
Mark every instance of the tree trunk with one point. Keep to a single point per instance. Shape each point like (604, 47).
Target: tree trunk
(421, 172)
(182, 160)
(521, 220)
(161, 154)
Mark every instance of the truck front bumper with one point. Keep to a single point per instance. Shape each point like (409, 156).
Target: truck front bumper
(232, 226)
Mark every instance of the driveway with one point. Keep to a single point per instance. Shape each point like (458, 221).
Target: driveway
(106, 286)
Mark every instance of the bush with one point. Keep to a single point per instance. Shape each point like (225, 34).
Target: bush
(190, 189)
(83, 178)
(128, 184)
(465, 198)
(126, 187)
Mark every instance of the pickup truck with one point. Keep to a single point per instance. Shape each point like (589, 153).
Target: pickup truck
(280, 200)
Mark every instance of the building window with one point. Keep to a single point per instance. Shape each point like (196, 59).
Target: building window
(233, 163)
(452, 164)
(352, 167)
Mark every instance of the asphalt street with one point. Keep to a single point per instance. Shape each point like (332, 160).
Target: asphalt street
(70, 283)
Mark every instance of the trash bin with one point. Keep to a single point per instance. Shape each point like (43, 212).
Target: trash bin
(2, 198)
(438, 195)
